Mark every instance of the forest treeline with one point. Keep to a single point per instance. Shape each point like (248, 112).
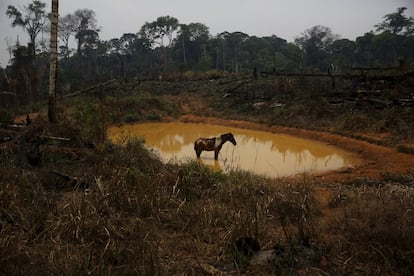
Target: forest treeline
(166, 46)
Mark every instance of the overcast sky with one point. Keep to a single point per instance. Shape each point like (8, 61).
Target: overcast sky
(285, 18)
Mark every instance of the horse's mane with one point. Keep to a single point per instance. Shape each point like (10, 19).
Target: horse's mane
(226, 134)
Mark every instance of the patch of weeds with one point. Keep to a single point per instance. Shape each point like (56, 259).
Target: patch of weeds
(404, 179)
(283, 262)
(394, 120)
(240, 259)
(153, 116)
(89, 121)
(355, 121)
(131, 118)
(6, 116)
(296, 210)
(365, 182)
(197, 181)
(405, 149)
(375, 222)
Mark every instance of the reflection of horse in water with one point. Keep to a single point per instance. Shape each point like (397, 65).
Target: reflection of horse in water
(210, 144)
(215, 166)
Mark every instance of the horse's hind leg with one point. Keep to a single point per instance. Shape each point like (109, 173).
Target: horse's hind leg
(216, 153)
(198, 153)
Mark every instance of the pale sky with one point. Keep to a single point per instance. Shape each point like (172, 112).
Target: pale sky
(285, 18)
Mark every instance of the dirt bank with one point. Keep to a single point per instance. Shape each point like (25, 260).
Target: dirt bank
(370, 160)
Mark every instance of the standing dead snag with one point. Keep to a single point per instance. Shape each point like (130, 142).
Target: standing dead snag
(53, 62)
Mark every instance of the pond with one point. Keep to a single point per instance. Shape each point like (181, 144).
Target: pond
(270, 154)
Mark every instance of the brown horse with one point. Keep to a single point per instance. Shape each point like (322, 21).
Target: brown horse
(215, 143)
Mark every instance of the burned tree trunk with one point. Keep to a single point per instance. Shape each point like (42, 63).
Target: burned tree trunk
(53, 62)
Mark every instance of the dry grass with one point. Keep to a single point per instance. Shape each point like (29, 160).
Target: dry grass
(133, 214)
(122, 211)
(139, 216)
(372, 232)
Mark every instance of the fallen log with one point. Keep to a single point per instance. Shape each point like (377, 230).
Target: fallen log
(379, 101)
(65, 176)
(6, 139)
(54, 138)
(89, 89)
(72, 181)
(406, 102)
(7, 93)
(15, 127)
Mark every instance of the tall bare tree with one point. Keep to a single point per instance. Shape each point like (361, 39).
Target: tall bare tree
(85, 21)
(67, 27)
(31, 18)
(10, 46)
(53, 61)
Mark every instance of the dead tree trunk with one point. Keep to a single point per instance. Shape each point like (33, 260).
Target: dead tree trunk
(53, 62)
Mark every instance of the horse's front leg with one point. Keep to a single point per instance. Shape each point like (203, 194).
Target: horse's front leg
(217, 151)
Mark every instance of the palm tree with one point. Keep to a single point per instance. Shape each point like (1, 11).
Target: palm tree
(53, 61)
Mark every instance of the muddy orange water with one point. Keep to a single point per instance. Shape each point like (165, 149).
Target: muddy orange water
(266, 153)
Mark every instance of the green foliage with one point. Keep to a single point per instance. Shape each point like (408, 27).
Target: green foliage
(164, 26)
(89, 118)
(317, 42)
(397, 23)
(150, 56)
(141, 107)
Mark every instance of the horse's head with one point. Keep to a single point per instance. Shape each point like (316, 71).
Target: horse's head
(229, 137)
